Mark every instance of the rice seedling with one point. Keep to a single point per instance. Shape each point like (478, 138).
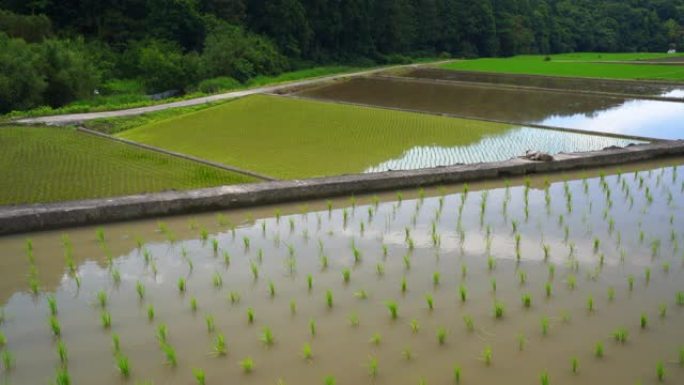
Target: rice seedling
(643, 321)
(312, 327)
(329, 298)
(220, 345)
(464, 271)
(162, 333)
(255, 270)
(324, 262)
(271, 289)
(140, 289)
(404, 284)
(407, 353)
(307, 353)
(3, 339)
(170, 354)
(679, 298)
(441, 335)
(116, 343)
(346, 275)
(193, 304)
(590, 304)
(215, 245)
(102, 298)
(597, 244)
(309, 281)
(226, 258)
(329, 380)
(234, 297)
(666, 267)
(522, 341)
(681, 356)
(376, 339)
(598, 350)
(487, 356)
(393, 309)
(267, 337)
(544, 378)
(217, 280)
(250, 315)
(527, 300)
(62, 377)
(100, 235)
(548, 289)
(630, 282)
(373, 367)
(498, 309)
(150, 313)
(660, 371)
(361, 294)
(105, 319)
(55, 326)
(491, 263)
(647, 275)
(200, 376)
(463, 293)
(469, 323)
(415, 326)
(246, 241)
(181, 285)
(62, 353)
(545, 326)
(457, 374)
(522, 277)
(611, 294)
(407, 261)
(123, 365)
(574, 365)
(493, 285)
(353, 320)
(621, 335)
(52, 304)
(571, 282)
(429, 300)
(7, 360)
(662, 310)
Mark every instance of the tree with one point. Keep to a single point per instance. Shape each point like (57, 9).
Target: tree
(21, 80)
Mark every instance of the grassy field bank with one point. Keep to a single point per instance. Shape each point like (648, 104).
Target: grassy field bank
(577, 65)
(47, 164)
(291, 138)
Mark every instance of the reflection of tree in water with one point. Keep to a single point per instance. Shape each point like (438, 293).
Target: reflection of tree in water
(499, 104)
(598, 85)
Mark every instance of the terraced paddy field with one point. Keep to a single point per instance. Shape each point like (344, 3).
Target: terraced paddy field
(671, 90)
(580, 65)
(49, 164)
(593, 113)
(564, 279)
(291, 138)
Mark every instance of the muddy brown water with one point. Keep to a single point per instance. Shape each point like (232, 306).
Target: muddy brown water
(574, 84)
(450, 231)
(594, 113)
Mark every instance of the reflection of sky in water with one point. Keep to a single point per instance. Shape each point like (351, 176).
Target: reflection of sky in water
(677, 93)
(663, 120)
(500, 147)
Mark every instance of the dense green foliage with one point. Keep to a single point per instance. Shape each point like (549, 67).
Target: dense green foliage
(48, 164)
(176, 44)
(576, 65)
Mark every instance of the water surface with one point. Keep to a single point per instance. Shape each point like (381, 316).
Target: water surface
(443, 233)
(647, 118)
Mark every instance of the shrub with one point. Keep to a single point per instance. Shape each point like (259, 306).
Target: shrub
(214, 85)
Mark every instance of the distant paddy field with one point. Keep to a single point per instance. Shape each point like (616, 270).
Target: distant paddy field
(291, 138)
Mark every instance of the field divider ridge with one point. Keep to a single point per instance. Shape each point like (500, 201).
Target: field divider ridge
(38, 217)
(513, 87)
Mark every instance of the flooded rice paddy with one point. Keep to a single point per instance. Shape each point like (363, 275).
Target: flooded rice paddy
(560, 83)
(294, 138)
(595, 113)
(578, 277)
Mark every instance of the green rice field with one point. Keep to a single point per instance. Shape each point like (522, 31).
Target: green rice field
(289, 138)
(578, 65)
(47, 164)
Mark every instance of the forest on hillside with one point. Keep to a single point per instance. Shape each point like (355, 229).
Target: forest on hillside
(53, 52)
